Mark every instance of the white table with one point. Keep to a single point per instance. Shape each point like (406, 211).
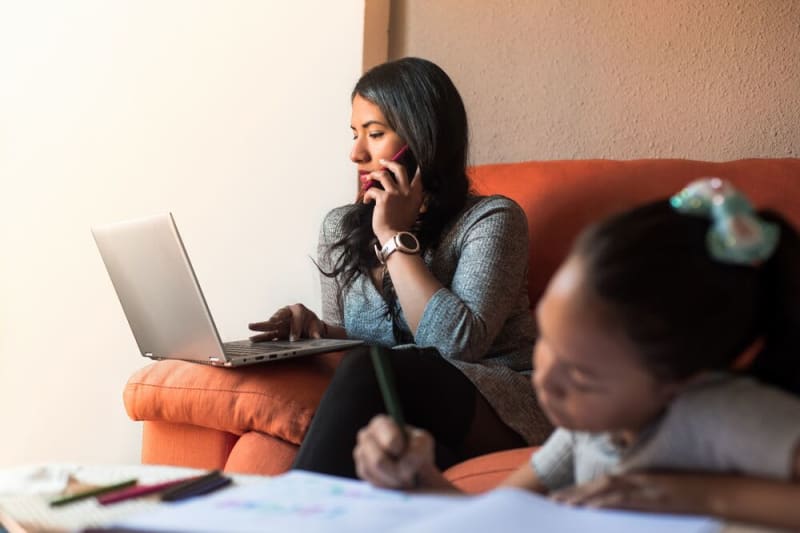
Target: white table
(25, 493)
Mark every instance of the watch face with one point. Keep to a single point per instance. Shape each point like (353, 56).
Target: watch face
(407, 240)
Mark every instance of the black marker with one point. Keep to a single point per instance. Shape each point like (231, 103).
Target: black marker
(195, 487)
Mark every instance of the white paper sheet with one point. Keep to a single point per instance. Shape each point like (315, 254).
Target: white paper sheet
(295, 502)
(512, 511)
(310, 503)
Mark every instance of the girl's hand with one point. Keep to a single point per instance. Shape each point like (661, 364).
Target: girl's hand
(387, 458)
(291, 322)
(398, 205)
(728, 496)
(668, 493)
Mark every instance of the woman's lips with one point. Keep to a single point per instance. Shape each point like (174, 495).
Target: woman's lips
(366, 182)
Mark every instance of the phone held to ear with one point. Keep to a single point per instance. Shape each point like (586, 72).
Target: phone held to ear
(405, 158)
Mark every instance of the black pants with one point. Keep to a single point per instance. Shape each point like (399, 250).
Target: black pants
(434, 395)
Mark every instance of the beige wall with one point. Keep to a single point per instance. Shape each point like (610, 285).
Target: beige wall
(233, 115)
(551, 79)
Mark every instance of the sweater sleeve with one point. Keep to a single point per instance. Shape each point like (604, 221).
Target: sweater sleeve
(462, 320)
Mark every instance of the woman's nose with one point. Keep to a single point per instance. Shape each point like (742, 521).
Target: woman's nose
(359, 153)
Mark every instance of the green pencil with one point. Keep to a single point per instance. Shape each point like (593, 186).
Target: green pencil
(383, 370)
(97, 491)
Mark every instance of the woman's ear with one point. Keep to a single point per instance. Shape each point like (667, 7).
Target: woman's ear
(424, 207)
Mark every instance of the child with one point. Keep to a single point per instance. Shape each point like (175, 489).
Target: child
(669, 340)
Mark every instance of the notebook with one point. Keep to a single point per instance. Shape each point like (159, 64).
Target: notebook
(165, 307)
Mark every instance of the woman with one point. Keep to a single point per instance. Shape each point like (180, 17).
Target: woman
(420, 265)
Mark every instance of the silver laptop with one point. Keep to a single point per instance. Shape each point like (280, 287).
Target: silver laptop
(165, 307)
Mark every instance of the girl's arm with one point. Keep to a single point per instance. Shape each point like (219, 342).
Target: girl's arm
(744, 498)
(524, 477)
(730, 497)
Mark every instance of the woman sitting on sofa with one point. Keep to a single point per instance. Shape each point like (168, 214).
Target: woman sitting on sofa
(669, 340)
(420, 265)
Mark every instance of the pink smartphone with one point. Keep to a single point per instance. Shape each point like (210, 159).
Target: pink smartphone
(405, 158)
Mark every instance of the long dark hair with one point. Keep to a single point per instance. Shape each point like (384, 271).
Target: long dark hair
(684, 310)
(421, 104)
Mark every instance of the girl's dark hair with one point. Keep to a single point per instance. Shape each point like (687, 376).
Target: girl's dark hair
(687, 312)
(421, 104)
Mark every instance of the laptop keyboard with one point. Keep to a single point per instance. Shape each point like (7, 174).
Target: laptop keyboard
(237, 349)
(248, 350)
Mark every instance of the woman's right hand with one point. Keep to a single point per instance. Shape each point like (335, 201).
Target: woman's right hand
(387, 458)
(291, 322)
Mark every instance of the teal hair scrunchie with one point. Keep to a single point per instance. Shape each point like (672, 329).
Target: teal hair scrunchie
(737, 234)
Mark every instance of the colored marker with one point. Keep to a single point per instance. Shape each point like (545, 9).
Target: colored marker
(97, 491)
(139, 491)
(202, 485)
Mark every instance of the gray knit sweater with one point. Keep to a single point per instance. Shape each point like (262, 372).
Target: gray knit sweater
(480, 320)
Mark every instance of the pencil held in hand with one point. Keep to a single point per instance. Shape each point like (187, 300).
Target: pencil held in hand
(383, 370)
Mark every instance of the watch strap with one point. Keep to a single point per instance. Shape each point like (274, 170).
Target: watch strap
(394, 244)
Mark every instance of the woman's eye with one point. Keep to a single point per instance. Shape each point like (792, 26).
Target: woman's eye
(375, 134)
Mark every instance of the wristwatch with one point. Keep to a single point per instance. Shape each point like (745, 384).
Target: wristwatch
(404, 241)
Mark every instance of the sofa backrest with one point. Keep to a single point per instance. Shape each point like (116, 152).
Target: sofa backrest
(562, 197)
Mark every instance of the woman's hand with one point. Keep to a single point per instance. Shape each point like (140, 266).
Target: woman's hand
(386, 457)
(291, 322)
(398, 205)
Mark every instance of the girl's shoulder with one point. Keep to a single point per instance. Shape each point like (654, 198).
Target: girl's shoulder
(725, 423)
(732, 392)
(726, 406)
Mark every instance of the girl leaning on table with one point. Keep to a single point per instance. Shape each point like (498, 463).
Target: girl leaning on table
(420, 265)
(668, 358)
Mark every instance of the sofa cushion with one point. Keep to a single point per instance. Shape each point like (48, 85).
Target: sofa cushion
(264, 455)
(562, 197)
(165, 443)
(487, 471)
(277, 398)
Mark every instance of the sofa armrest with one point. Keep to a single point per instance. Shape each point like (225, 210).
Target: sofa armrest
(276, 398)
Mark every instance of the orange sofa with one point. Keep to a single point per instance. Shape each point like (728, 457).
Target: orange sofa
(252, 420)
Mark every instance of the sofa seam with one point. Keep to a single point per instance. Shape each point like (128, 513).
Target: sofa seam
(288, 401)
(485, 472)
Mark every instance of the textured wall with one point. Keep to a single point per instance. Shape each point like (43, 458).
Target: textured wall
(562, 79)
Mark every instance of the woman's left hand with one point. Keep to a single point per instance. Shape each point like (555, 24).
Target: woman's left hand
(398, 204)
(669, 493)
